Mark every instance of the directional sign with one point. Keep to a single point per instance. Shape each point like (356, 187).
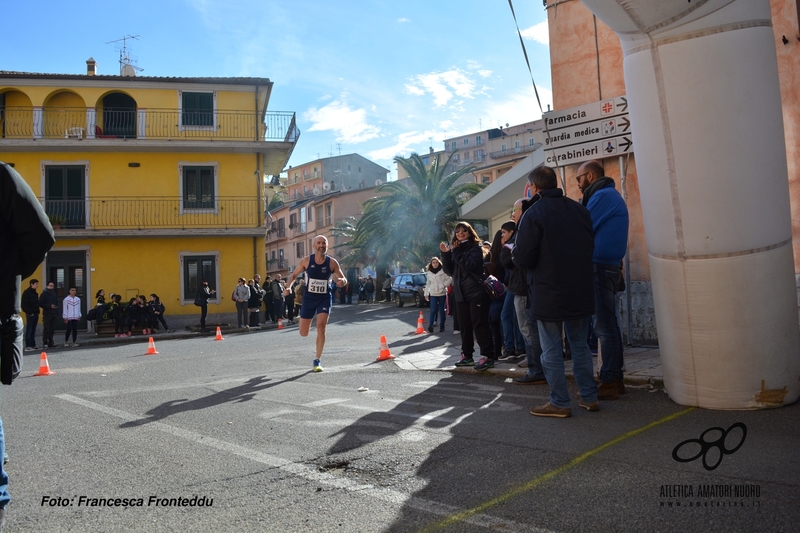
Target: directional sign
(586, 113)
(591, 131)
(588, 131)
(599, 149)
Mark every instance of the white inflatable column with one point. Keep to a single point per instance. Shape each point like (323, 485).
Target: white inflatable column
(702, 84)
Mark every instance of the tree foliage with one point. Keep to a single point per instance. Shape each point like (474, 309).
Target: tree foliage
(409, 218)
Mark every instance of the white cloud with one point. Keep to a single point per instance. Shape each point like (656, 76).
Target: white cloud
(350, 125)
(539, 33)
(516, 108)
(403, 20)
(405, 144)
(443, 86)
(484, 73)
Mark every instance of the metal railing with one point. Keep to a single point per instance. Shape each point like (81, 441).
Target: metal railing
(275, 234)
(103, 213)
(513, 151)
(132, 123)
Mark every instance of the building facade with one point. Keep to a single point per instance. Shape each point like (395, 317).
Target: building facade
(152, 184)
(316, 196)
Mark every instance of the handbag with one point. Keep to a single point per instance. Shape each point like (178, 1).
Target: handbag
(493, 287)
(198, 300)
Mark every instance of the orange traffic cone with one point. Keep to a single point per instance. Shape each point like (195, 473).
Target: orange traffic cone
(44, 367)
(421, 317)
(280, 323)
(219, 335)
(420, 326)
(384, 353)
(151, 348)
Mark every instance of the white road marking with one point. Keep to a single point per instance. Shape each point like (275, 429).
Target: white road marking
(310, 473)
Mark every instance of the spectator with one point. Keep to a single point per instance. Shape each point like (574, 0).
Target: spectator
(518, 288)
(25, 238)
(241, 294)
(100, 306)
(436, 293)
(298, 287)
(387, 287)
(369, 290)
(555, 243)
(117, 315)
(463, 260)
(496, 269)
(254, 303)
(157, 310)
(277, 297)
(48, 301)
(204, 293)
(30, 306)
(71, 313)
(610, 224)
(269, 311)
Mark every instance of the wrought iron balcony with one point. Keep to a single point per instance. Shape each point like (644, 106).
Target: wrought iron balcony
(112, 213)
(132, 123)
(514, 151)
(274, 234)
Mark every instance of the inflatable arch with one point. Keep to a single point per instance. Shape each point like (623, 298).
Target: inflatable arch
(702, 84)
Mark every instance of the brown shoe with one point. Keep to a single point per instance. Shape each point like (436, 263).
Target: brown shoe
(620, 386)
(589, 406)
(607, 391)
(551, 410)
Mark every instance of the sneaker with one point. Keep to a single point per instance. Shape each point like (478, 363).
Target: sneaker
(74, 345)
(317, 366)
(430, 328)
(551, 410)
(456, 332)
(30, 349)
(465, 361)
(505, 355)
(484, 363)
(527, 379)
(523, 363)
(589, 406)
(53, 346)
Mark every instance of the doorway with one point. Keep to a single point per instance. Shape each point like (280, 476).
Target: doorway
(68, 269)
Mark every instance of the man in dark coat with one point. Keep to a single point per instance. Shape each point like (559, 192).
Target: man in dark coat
(30, 306)
(555, 243)
(24, 240)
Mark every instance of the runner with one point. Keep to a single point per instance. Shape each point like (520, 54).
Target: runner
(318, 296)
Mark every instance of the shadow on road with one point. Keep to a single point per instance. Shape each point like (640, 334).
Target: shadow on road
(241, 393)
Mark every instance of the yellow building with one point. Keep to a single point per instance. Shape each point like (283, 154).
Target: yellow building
(152, 183)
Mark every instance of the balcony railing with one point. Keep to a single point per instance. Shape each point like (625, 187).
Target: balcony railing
(275, 234)
(104, 213)
(98, 123)
(513, 151)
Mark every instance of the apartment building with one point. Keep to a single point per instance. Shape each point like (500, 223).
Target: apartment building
(152, 183)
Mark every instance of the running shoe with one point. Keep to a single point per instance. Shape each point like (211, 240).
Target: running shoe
(465, 361)
(317, 366)
(484, 363)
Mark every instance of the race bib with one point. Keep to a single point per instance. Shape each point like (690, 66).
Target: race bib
(317, 286)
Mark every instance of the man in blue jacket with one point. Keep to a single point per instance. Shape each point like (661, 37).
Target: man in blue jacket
(555, 243)
(610, 224)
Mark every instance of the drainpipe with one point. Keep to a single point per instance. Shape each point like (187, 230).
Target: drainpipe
(705, 109)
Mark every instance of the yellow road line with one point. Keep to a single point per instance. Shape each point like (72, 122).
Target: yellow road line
(458, 517)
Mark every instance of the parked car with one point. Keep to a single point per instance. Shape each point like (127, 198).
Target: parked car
(410, 288)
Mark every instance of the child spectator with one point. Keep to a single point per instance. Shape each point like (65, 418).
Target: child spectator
(116, 314)
(71, 313)
(157, 310)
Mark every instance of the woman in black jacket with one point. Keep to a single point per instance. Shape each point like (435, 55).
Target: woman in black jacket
(463, 260)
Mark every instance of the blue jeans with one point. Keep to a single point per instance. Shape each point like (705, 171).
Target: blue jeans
(606, 327)
(576, 332)
(30, 330)
(437, 308)
(512, 336)
(530, 332)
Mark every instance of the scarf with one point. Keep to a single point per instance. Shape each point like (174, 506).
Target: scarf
(594, 187)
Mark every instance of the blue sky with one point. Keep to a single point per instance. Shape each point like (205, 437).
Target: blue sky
(373, 77)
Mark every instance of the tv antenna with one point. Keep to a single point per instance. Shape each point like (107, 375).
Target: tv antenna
(126, 66)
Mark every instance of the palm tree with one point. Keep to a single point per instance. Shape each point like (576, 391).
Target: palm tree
(410, 217)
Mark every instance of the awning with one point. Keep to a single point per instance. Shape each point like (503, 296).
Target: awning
(501, 194)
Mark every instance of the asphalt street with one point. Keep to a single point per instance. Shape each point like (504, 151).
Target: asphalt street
(240, 435)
